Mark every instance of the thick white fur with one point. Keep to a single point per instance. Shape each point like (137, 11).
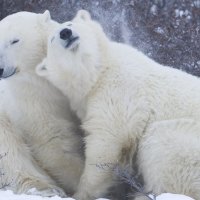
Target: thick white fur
(128, 102)
(36, 129)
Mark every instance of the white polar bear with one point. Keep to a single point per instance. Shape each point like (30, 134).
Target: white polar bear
(129, 106)
(42, 146)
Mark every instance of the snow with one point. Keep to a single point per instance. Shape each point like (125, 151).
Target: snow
(197, 3)
(159, 30)
(8, 195)
(181, 13)
(168, 196)
(154, 10)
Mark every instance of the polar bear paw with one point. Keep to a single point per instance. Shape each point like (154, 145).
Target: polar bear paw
(50, 192)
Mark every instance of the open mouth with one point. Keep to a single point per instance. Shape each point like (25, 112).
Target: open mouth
(8, 72)
(71, 41)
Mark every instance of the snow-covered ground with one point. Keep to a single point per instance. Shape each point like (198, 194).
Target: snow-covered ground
(8, 195)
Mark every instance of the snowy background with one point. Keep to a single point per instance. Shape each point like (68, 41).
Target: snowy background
(166, 30)
(8, 195)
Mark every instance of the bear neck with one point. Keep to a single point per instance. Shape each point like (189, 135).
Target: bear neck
(88, 84)
(78, 91)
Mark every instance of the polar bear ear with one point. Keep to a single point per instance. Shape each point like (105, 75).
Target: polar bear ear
(41, 69)
(83, 15)
(45, 17)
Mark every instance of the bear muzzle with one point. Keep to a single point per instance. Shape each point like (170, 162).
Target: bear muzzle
(69, 38)
(7, 72)
(65, 34)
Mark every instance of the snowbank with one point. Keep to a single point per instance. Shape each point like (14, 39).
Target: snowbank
(168, 196)
(8, 195)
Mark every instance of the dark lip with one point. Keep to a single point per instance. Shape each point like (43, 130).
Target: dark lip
(10, 74)
(71, 41)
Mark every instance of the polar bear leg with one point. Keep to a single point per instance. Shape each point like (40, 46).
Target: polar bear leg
(168, 158)
(61, 153)
(109, 141)
(103, 152)
(140, 198)
(95, 181)
(19, 171)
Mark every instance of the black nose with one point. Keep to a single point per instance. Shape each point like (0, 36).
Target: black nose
(1, 71)
(65, 34)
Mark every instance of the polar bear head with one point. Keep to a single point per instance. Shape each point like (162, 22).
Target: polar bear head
(75, 55)
(23, 43)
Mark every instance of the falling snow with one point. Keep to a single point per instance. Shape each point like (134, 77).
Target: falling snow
(167, 31)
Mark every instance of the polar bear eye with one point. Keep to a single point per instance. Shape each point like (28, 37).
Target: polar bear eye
(14, 41)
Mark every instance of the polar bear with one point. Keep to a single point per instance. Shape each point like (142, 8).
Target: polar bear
(129, 106)
(37, 132)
